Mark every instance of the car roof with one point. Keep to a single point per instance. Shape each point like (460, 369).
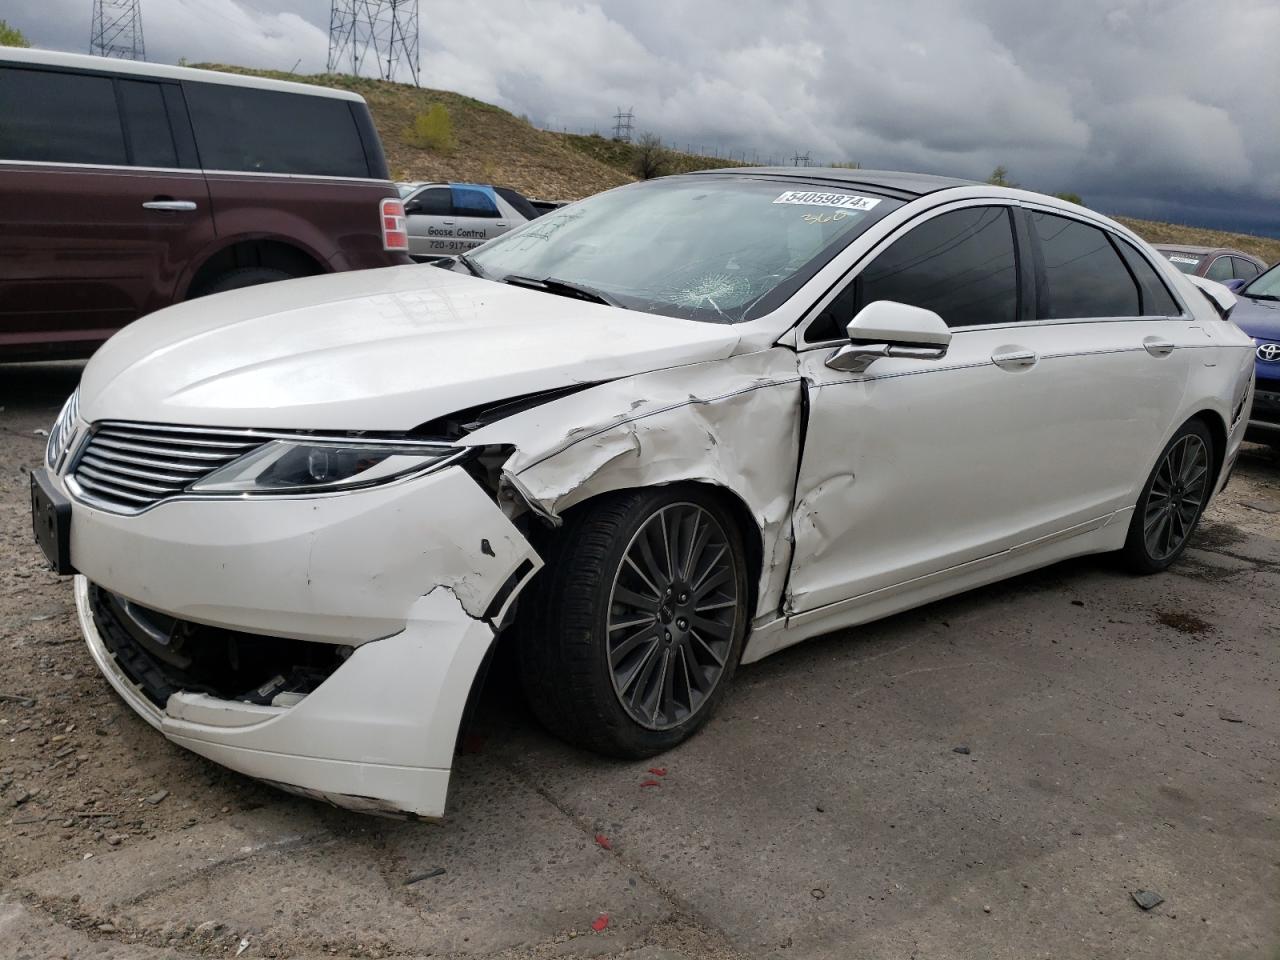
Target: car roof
(914, 184)
(82, 61)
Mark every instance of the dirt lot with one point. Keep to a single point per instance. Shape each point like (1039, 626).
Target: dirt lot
(1121, 734)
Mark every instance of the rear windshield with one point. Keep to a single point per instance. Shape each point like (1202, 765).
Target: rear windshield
(717, 248)
(269, 131)
(1186, 262)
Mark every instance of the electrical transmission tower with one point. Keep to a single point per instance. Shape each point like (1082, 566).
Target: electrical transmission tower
(800, 160)
(384, 31)
(116, 29)
(622, 121)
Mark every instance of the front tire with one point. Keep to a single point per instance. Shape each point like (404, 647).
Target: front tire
(637, 621)
(1172, 501)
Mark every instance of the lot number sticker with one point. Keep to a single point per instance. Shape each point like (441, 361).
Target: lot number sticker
(844, 201)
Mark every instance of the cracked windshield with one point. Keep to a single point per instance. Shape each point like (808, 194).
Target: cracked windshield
(714, 249)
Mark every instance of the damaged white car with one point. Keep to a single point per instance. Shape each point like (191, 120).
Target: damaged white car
(659, 433)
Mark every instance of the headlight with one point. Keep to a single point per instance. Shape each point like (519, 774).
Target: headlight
(63, 429)
(300, 466)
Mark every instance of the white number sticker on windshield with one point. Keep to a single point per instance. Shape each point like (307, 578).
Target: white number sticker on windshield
(1183, 260)
(845, 201)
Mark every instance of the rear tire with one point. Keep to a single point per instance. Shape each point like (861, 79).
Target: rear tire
(241, 277)
(623, 651)
(1172, 500)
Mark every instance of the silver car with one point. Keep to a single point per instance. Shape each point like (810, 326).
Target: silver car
(446, 219)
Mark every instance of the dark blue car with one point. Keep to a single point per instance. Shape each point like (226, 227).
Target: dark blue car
(1257, 313)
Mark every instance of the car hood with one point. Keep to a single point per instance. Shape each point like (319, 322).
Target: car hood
(1257, 318)
(373, 350)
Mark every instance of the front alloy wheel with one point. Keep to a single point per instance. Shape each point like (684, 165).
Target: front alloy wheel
(636, 624)
(1172, 500)
(672, 616)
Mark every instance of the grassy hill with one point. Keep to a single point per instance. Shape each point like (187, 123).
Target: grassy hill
(495, 146)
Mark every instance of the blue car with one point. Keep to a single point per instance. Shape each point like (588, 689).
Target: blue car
(1257, 313)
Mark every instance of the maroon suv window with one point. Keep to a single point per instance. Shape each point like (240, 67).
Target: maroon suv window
(268, 131)
(59, 117)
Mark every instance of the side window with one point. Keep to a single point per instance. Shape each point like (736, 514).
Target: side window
(434, 202)
(150, 139)
(1083, 275)
(1157, 301)
(1246, 269)
(473, 202)
(267, 131)
(1220, 269)
(961, 265)
(59, 117)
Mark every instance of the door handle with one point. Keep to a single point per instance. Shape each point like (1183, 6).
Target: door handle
(501, 223)
(1015, 359)
(186, 205)
(1158, 346)
(447, 223)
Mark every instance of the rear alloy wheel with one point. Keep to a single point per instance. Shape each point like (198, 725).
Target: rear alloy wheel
(1172, 501)
(637, 624)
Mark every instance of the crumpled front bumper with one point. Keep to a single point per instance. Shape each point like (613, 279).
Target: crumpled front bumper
(415, 576)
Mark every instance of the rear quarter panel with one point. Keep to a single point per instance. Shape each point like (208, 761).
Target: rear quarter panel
(334, 220)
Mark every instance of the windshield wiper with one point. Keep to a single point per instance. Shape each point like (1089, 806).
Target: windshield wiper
(470, 264)
(1259, 296)
(563, 288)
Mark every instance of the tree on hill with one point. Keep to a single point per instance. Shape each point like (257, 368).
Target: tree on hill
(651, 159)
(12, 36)
(1000, 177)
(433, 130)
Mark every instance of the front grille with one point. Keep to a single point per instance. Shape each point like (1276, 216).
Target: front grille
(130, 466)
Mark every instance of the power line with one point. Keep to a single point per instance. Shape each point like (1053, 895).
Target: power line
(384, 31)
(115, 29)
(622, 124)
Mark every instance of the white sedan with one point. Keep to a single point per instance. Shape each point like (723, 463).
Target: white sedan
(668, 430)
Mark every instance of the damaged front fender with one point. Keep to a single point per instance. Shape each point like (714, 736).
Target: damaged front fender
(733, 424)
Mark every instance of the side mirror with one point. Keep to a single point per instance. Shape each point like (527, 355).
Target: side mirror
(1233, 285)
(886, 328)
(412, 207)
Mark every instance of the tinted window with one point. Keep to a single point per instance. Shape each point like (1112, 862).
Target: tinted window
(522, 206)
(1220, 269)
(436, 202)
(148, 124)
(1083, 275)
(1156, 299)
(59, 117)
(1246, 269)
(240, 128)
(474, 202)
(960, 265)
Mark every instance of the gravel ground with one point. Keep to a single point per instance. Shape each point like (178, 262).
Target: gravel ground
(1122, 734)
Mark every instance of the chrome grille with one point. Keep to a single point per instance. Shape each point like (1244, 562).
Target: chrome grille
(130, 466)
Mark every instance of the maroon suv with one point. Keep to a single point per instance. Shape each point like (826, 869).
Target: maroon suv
(125, 187)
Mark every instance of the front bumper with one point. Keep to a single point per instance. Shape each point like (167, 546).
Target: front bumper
(413, 577)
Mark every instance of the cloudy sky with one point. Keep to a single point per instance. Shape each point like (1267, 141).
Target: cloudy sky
(1159, 109)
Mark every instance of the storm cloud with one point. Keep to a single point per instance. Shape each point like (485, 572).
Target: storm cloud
(1162, 110)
